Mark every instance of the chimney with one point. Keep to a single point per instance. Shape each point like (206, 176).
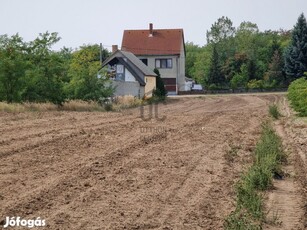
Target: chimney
(150, 30)
(114, 48)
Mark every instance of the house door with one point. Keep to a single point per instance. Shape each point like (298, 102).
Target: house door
(170, 85)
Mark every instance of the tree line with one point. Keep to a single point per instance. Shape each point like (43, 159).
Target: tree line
(245, 57)
(233, 58)
(32, 71)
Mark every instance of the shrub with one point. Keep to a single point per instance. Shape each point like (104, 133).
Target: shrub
(160, 90)
(237, 81)
(213, 87)
(157, 95)
(297, 94)
(255, 84)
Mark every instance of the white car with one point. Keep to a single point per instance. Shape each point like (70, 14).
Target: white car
(197, 87)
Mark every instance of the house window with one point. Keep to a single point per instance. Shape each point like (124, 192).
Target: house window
(165, 63)
(144, 60)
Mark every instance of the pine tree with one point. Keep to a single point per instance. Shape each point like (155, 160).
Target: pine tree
(215, 75)
(274, 74)
(296, 54)
(160, 88)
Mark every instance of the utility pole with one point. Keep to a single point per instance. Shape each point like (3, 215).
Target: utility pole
(101, 54)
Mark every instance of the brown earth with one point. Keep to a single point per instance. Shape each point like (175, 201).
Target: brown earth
(80, 170)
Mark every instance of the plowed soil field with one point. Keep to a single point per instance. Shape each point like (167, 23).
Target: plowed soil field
(119, 170)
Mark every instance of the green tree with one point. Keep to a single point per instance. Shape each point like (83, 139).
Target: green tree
(233, 65)
(240, 79)
(245, 45)
(65, 54)
(201, 66)
(215, 75)
(45, 77)
(275, 47)
(296, 54)
(246, 34)
(160, 90)
(221, 35)
(192, 52)
(220, 30)
(12, 67)
(84, 82)
(248, 27)
(252, 69)
(274, 75)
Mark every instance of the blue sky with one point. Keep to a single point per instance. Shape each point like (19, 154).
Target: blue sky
(81, 22)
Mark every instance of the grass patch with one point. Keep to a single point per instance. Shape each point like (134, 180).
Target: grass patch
(274, 112)
(73, 105)
(241, 220)
(24, 107)
(81, 106)
(118, 104)
(125, 102)
(268, 157)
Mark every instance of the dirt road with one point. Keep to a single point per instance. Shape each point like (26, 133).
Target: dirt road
(114, 170)
(287, 202)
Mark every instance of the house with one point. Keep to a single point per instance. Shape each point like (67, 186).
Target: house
(129, 74)
(163, 49)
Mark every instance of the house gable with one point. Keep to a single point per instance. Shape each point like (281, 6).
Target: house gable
(134, 69)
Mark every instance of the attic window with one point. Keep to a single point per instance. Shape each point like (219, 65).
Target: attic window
(144, 60)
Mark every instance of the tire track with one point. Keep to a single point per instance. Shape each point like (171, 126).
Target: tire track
(51, 138)
(288, 196)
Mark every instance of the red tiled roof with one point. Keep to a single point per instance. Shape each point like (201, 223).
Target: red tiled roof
(163, 42)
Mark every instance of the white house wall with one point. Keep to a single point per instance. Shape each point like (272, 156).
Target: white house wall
(181, 75)
(123, 88)
(177, 71)
(129, 76)
(165, 73)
